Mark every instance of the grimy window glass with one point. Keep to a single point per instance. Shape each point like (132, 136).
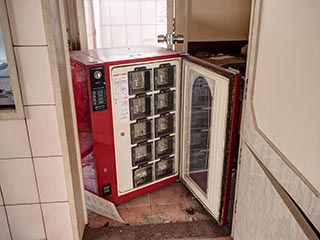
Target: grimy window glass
(10, 94)
(6, 93)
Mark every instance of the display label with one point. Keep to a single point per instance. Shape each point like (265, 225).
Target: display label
(120, 96)
(120, 84)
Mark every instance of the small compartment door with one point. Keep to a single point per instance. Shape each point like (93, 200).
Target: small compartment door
(205, 111)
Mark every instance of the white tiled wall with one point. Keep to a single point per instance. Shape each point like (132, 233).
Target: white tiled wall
(43, 130)
(33, 196)
(50, 178)
(36, 82)
(4, 229)
(18, 181)
(88, 6)
(121, 23)
(57, 230)
(26, 22)
(26, 221)
(14, 136)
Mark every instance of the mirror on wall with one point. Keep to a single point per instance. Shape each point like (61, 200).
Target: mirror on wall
(10, 94)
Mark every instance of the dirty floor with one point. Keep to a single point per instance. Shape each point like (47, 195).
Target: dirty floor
(168, 213)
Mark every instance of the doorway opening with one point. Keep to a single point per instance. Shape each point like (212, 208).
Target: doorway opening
(208, 48)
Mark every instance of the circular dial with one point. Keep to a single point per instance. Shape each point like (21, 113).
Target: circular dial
(97, 74)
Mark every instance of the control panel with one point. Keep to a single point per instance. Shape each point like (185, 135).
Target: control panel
(98, 88)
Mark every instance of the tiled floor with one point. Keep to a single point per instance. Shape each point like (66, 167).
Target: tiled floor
(170, 204)
(169, 213)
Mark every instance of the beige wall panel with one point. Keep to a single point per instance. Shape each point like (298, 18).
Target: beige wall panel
(286, 90)
(291, 180)
(217, 20)
(260, 211)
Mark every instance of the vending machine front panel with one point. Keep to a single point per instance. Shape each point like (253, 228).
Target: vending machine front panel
(141, 120)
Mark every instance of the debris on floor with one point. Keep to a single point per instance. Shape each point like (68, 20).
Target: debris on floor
(204, 230)
(168, 213)
(170, 204)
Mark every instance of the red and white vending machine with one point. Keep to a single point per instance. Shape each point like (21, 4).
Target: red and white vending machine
(148, 116)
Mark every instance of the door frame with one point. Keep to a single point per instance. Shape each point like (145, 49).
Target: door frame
(181, 8)
(261, 146)
(54, 16)
(76, 24)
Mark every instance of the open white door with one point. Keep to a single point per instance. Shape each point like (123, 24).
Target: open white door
(204, 117)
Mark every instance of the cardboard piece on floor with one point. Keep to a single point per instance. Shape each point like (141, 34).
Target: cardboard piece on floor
(102, 207)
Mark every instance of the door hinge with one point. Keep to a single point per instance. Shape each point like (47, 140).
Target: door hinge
(235, 206)
(246, 89)
(240, 155)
